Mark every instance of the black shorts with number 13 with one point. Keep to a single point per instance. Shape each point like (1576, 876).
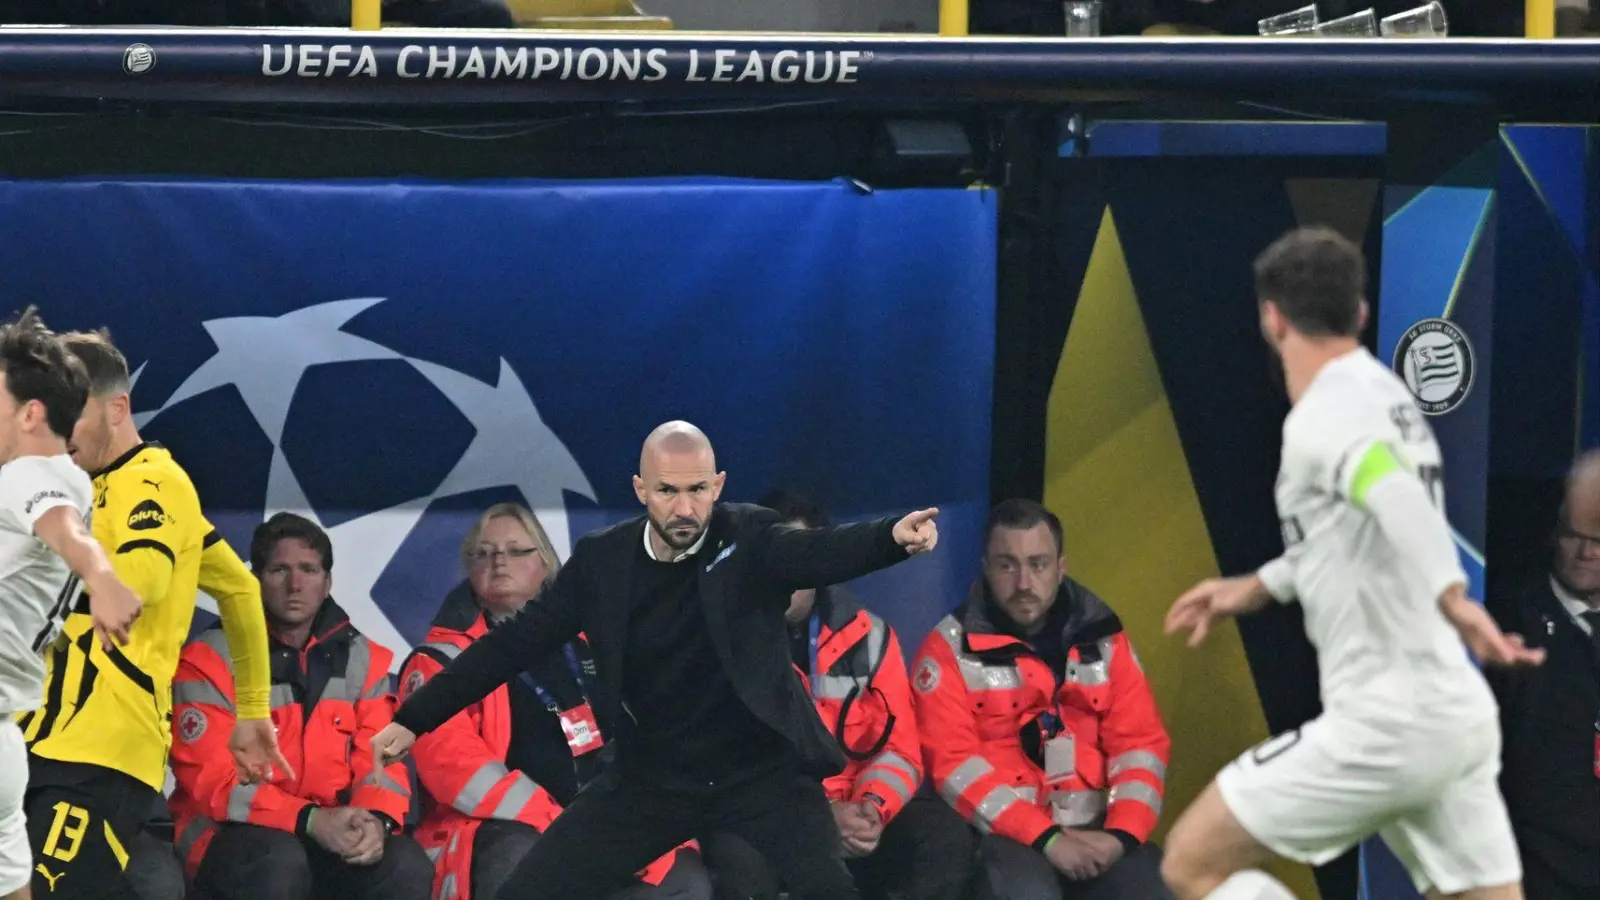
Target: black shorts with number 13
(81, 819)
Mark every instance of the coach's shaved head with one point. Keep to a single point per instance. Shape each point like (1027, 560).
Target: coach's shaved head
(678, 483)
(675, 437)
(1578, 531)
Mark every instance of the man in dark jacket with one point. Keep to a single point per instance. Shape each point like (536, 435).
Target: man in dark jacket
(713, 730)
(898, 842)
(1549, 714)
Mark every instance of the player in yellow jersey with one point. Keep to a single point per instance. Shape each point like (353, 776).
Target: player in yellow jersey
(98, 746)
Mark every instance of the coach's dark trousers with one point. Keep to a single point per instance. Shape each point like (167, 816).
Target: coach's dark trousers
(611, 831)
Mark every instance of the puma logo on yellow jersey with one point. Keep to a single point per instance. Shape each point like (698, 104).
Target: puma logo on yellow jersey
(48, 877)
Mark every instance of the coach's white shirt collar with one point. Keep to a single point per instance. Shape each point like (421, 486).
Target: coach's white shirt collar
(650, 549)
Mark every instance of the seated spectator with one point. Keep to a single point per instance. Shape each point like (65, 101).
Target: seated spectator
(894, 841)
(331, 830)
(1039, 727)
(499, 773)
(1548, 714)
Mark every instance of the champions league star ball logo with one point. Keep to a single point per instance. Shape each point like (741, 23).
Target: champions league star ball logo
(268, 361)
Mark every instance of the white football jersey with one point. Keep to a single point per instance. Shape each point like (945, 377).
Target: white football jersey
(37, 590)
(1384, 649)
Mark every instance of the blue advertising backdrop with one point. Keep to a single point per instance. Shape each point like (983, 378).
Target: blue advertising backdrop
(391, 358)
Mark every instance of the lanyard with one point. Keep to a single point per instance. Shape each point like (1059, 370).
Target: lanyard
(573, 665)
(816, 634)
(1050, 721)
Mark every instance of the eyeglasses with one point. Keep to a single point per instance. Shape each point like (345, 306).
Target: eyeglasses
(483, 557)
(1587, 543)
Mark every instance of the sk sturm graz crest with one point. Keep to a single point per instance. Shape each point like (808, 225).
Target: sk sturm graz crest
(1437, 362)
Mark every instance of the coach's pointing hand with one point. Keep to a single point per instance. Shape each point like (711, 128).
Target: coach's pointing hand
(917, 532)
(392, 743)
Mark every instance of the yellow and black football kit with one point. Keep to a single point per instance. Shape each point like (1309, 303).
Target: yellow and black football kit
(98, 746)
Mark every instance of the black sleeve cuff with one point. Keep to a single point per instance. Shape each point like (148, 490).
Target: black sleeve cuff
(303, 821)
(1128, 841)
(406, 716)
(1041, 840)
(891, 547)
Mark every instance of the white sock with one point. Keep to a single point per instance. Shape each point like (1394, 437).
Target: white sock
(1251, 884)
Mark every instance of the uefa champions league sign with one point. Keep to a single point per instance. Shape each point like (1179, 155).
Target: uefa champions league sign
(410, 66)
(571, 63)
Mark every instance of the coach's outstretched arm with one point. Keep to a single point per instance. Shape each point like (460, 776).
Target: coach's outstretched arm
(543, 626)
(810, 557)
(1388, 489)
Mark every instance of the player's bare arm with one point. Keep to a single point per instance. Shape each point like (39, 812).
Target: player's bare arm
(112, 604)
(1483, 636)
(1212, 599)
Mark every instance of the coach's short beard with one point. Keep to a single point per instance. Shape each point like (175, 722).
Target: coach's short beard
(664, 531)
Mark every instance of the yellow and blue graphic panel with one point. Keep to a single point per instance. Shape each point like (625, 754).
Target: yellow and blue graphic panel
(1163, 429)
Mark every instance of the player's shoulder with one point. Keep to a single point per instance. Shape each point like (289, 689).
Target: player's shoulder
(45, 469)
(152, 476)
(29, 479)
(152, 466)
(1353, 396)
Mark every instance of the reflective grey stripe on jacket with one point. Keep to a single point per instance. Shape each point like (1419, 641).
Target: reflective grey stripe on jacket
(978, 677)
(895, 771)
(472, 795)
(994, 804)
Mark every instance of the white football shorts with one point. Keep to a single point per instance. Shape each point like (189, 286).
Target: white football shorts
(16, 860)
(1311, 794)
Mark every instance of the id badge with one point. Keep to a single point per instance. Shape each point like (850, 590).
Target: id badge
(1060, 758)
(583, 733)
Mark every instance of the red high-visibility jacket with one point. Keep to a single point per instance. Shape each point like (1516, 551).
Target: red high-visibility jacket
(857, 669)
(980, 696)
(462, 763)
(326, 736)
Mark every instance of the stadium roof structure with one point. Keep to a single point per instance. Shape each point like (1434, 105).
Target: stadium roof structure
(1511, 79)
